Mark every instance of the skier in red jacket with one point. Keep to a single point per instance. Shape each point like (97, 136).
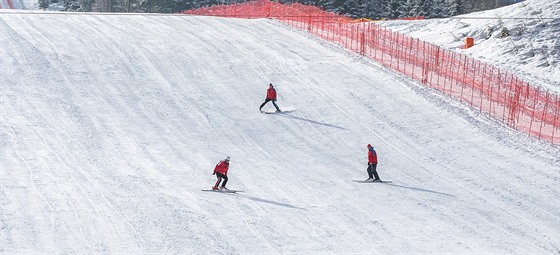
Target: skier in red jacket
(270, 96)
(220, 171)
(372, 165)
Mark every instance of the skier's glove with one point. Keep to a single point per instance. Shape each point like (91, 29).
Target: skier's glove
(214, 173)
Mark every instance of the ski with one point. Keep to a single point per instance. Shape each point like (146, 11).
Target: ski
(360, 181)
(265, 112)
(275, 112)
(222, 191)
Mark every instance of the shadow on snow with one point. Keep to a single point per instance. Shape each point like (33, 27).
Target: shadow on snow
(419, 189)
(268, 201)
(287, 115)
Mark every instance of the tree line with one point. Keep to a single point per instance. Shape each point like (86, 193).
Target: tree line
(372, 9)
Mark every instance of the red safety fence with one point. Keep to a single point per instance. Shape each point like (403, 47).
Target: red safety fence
(491, 90)
(8, 4)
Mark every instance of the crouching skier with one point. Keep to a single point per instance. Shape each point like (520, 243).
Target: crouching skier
(270, 96)
(220, 171)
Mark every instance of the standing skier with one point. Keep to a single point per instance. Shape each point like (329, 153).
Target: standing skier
(220, 171)
(372, 165)
(270, 96)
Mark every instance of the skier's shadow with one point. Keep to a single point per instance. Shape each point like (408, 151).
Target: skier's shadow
(268, 201)
(419, 189)
(287, 115)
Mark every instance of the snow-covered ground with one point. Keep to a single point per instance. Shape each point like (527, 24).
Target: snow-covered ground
(29, 4)
(110, 126)
(531, 51)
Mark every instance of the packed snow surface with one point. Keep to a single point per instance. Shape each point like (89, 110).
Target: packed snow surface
(110, 126)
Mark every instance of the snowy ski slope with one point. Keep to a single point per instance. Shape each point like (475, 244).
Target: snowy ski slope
(110, 126)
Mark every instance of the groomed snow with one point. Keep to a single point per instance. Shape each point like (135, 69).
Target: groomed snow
(110, 126)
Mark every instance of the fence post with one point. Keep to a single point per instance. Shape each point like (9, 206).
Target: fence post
(492, 99)
(425, 71)
(391, 46)
(438, 65)
(398, 48)
(432, 65)
(362, 43)
(409, 58)
(373, 40)
(381, 41)
(445, 62)
(473, 79)
(346, 34)
(355, 37)
(495, 99)
(514, 103)
(323, 23)
(423, 78)
(505, 101)
(268, 9)
(556, 115)
(519, 91)
(543, 114)
(336, 31)
(401, 55)
(482, 84)
(454, 72)
(369, 40)
(522, 100)
(416, 53)
(329, 26)
(465, 69)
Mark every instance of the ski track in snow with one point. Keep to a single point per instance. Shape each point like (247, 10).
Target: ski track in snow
(110, 125)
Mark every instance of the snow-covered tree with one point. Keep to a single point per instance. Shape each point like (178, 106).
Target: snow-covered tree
(44, 4)
(406, 8)
(79, 5)
(438, 9)
(454, 7)
(374, 9)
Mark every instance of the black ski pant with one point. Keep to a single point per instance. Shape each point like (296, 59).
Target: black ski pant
(268, 100)
(220, 177)
(372, 171)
